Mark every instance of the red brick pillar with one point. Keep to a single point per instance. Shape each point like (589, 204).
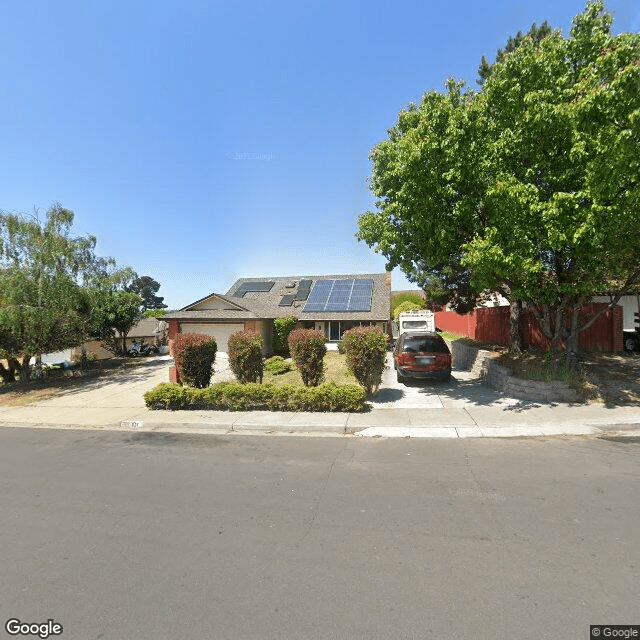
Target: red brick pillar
(174, 376)
(172, 331)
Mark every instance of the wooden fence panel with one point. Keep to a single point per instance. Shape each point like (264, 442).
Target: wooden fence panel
(491, 324)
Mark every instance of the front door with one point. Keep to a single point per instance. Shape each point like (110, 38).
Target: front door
(334, 331)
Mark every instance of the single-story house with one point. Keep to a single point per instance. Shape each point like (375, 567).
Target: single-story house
(148, 330)
(331, 304)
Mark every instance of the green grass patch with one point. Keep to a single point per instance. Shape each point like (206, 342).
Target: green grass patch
(451, 337)
(335, 370)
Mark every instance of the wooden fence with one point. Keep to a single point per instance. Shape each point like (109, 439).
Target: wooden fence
(491, 324)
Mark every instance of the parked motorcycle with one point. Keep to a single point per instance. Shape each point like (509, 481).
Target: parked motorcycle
(141, 348)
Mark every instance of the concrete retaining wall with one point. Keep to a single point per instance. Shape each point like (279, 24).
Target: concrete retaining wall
(481, 363)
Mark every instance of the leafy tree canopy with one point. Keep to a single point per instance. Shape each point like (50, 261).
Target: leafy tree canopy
(535, 34)
(42, 269)
(532, 183)
(154, 313)
(146, 287)
(50, 285)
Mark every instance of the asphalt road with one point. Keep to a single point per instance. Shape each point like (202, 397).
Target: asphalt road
(131, 536)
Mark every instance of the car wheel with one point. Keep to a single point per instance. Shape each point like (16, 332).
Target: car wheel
(630, 344)
(399, 377)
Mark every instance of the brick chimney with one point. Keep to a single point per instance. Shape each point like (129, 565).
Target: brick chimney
(388, 280)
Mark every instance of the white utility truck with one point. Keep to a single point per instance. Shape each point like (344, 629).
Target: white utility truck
(419, 320)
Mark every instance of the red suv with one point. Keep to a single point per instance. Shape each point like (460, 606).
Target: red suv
(421, 355)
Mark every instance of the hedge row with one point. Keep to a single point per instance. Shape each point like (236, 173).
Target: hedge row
(235, 396)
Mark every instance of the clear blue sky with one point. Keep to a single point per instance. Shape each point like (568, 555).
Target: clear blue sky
(202, 141)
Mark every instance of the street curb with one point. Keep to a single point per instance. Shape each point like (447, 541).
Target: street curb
(622, 431)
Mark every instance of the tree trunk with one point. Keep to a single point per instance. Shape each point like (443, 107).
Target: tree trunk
(572, 344)
(558, 329)
(515, 326)
(83, 356)
(25, 370)
(39, 370)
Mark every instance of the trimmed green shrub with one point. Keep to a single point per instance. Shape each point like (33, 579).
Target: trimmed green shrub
(282, 327)
(277, 365)
(307, 349)
(400, 298)
(245, 355)
(168, 395)
(235, 396)
(194, 354)
(405, 306)
(366, 351)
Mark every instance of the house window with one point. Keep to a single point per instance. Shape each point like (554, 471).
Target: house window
(334, 329)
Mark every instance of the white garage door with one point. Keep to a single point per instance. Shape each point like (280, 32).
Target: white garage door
(220, 332)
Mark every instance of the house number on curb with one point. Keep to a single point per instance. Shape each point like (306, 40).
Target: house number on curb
(132, 424)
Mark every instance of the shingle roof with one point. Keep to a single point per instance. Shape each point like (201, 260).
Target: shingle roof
(265, 304)
(208, 314)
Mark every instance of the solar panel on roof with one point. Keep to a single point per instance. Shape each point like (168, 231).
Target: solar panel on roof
(340, 295)
(318, 296)
(253, 287)
(287, 300)
(359, 304)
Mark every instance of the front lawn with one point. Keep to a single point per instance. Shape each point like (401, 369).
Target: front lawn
(335, 371)
(340, 391)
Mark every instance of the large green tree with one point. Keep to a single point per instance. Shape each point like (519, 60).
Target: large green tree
(147, 288)
(532, 183)
(115, 309)
(54, 290)
(42, 303)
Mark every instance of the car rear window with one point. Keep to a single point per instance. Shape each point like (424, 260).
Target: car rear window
(422, 344)
(414, 324)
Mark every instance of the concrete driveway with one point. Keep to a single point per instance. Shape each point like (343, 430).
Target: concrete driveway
(462, 389)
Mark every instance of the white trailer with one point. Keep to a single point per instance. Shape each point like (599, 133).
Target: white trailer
(421, 320)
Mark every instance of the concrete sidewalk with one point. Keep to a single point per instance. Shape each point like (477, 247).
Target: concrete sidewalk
(117, 403)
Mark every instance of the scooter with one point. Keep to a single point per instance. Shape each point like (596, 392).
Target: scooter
(140, 348)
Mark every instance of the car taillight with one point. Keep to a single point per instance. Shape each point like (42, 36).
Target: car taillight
(405, 359)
